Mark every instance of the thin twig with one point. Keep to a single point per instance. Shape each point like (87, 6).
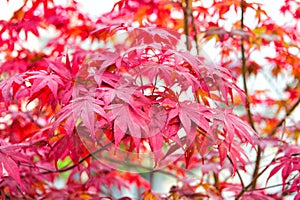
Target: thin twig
(271, 186)
(264, 188)
(245, 189)
(49, 171)
(237, 171)
(288, 113)
(79, 162)
(149, 169)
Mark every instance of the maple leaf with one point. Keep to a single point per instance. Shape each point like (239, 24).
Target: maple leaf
(207, 78)
(10, 86)
(105, 31)
(30, 26)
(294, 187)
(127, 118)
(67, 144)
(238, 156)
(124, 91)
(288, 163)
(103, 60)
(152, 70)
(98, 171)
(192, 115)
(149, 195)
(63, 71)
(83, 108)
(13, 66)
(11, 167)
(42, 79)
(156, 127)
(10, 158)
(234, 126)
(149, 35)
(257, 195)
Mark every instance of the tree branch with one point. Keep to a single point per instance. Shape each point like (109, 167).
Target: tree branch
(195, 32)
(271, 186)
(253, 182)
(256, 175)
(245, 189)
(186, 11)
(288, 113)
(244, 70)
(79, 162)
(248, 107)
(49, 171)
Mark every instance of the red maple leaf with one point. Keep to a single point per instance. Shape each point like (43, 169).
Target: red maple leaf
(10, 157)
(83, 108)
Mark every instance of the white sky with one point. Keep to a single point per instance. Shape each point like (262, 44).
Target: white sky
(93, 7)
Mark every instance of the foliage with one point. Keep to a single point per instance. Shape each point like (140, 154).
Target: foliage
(106, 104)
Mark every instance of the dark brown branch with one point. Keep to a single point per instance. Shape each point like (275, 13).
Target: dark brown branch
(216, 179)
(195, 32)
(256, 169)
(186, 11)
(244, 71)
(248, 107)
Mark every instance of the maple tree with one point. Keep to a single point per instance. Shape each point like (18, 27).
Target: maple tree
(106, 104)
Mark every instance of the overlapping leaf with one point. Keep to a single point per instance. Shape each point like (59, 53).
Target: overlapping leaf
(10, 156)
(81, 108)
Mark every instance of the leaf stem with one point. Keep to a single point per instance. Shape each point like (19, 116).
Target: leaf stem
(155, 82)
